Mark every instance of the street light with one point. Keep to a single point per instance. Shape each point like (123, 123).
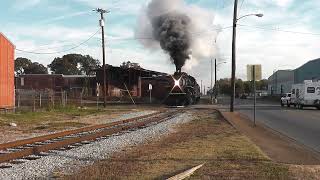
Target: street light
(234, 34)
(258, 15)
(215, 78)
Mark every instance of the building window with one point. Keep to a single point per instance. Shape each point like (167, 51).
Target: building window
(22, 81)
(293, 91)
(311, 90)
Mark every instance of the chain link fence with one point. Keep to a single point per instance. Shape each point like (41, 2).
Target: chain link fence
(47, 99)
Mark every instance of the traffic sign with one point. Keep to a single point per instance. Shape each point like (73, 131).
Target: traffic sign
(256, 70)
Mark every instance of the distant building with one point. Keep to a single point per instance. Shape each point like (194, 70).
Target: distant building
(6, 73)
(281, 81)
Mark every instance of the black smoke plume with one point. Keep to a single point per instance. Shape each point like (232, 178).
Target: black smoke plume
(172, 32)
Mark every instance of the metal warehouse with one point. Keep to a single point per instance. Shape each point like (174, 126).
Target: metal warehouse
(6, 73)
(281, 81)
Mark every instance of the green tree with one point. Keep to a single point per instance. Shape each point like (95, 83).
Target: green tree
(239, 87)
(20, 64)
(26, 66)
(224, 86)
(36, 68)
(74, 64)
(262, 85)
(88, 65)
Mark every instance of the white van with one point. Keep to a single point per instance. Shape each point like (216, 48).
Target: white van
(306, 94)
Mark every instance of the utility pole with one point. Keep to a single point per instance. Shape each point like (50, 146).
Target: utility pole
(211, 84)
(102, 11)
(215, 80)
(233, 71)
(201, 87)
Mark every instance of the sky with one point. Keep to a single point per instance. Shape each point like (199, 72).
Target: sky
(286, 36)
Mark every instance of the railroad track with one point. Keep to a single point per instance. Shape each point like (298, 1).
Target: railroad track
(34, 148)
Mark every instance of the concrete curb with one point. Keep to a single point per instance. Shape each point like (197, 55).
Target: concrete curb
(269, 129)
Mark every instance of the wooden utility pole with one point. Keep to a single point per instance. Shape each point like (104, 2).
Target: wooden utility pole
(233, 70)
(102, 11)
(215, 80)
(201, 88)
(211, 84)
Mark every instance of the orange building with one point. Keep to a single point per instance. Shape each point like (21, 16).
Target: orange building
(7, 95)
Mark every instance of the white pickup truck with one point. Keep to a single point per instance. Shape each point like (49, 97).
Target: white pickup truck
(286, 100)
(306, 94)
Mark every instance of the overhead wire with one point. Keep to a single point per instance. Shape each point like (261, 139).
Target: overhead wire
(240, 7)
(280, 30)
(57, 52)
(195, 34)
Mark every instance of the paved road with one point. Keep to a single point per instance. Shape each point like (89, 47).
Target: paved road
(301, 125)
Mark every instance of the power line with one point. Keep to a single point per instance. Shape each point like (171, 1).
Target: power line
(31, 52)
(194, 34)
(280, 30)
(240, 7)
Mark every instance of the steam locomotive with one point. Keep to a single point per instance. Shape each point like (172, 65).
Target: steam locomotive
(184, 90)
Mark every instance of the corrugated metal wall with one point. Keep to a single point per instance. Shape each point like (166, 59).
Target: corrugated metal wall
(308, 71)
(6, 73)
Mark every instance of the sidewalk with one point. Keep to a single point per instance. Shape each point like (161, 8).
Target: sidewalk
(278, 147)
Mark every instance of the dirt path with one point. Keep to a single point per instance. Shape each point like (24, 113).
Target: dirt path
(278, 147)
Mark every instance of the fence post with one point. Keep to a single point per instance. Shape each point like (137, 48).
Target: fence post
(81, 98)
(34, 101)
(66, 96)
(40, 103)
(19, 99)
(62, 98)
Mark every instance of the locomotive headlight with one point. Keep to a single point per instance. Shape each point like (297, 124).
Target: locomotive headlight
(176, 82)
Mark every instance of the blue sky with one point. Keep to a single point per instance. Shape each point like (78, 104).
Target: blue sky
(51, 26)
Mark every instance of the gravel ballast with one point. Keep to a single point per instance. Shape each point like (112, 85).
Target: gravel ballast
(70, 160)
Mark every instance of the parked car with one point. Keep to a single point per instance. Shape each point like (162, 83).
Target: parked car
(243, 96)
(286, 100)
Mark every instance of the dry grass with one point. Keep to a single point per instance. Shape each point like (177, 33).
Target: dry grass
(56, 118)
(207, 139)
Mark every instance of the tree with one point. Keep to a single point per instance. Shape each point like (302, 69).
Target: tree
(262, 85)
(88, 64)
(224, 86)
(20, 64)
(64, 65)
(74, 64)
(36, 68)
(239, 87)
(26, 66)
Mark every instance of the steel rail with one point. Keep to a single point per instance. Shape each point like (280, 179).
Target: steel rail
(36, 150)
(23, 142)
